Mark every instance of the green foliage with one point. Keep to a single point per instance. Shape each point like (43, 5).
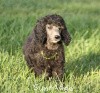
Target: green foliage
(82, 68)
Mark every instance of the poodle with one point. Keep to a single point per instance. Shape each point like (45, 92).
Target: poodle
(44, 50)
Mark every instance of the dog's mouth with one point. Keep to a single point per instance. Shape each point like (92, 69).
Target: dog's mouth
(56, 41)
(53, 45)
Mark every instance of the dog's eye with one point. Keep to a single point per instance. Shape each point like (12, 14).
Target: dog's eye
(50, 27)
(61, 28)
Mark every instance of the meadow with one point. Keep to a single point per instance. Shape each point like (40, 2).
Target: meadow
(82, 67)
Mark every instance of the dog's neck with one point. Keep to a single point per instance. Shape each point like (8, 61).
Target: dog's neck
(51, 46)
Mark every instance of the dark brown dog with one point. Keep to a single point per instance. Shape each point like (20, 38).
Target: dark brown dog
(43, 50)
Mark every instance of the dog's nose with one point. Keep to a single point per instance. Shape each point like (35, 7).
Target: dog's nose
(57, 37)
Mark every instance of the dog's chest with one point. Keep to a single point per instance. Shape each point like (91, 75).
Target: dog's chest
(46, 56)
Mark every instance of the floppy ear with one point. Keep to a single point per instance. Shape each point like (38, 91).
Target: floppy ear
(65, 36)
(40, 31)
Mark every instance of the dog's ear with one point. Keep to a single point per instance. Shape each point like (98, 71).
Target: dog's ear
(40, 31)
(65, 36)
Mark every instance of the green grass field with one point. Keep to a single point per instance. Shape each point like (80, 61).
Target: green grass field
(17, 19)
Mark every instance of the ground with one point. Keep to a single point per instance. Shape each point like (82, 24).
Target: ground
(82, 68)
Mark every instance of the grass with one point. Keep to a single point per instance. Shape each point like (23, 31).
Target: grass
(82, 68)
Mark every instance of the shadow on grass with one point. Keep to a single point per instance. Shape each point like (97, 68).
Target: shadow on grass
(83, 65)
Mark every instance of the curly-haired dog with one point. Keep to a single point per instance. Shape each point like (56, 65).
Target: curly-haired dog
(44, 51)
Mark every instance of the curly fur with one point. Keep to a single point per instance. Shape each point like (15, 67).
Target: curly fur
(54, 67)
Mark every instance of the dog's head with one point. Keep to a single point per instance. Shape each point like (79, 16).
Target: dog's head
(52, 28)
(53, 33)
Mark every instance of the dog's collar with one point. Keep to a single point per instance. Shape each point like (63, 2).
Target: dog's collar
(48, 58)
